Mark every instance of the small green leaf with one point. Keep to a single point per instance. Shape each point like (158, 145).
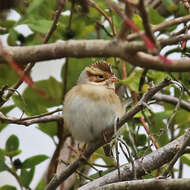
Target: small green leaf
(12, 143)
(133, 80)
(12, 37)
(2, 154)
(138, 21)
(8, 187)
(186, 159)
(33, 161)
(6, 109)
(13, 153)
(154, 16)
(141, 140)
(26, 176)
(7, 23)
(48, 128)
(41, 185)
(3, 166)
(41, 25)
(34, 5)
(37, 104)
(8, 76)
(170, 5)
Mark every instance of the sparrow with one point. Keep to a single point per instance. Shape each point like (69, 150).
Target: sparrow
(92, 105)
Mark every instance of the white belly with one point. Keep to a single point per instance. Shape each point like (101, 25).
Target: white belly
(86, 119)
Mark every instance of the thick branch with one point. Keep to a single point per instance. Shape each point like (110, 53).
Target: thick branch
(143, 165)
(73, 48)
(156, 184)
(130, 51)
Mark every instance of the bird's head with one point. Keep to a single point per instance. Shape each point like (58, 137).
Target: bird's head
(99, 73)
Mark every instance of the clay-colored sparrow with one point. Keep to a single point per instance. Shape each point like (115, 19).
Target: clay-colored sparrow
(92, 105)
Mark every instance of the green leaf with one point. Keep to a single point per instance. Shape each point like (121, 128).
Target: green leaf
(157, 76)
(12, 143)
(2, 154)
(75, 66)
(133, 80)
(6, 24)
(36, 104)
(3, 166)
(41, 25)
(169, 5)
(154, 16)
(158, 129)
(33, 161)
(8, 76)
(41, 185)
(186, 159)
(138, 21)
(26, 176)
(12, 37)
(34, 5)
(141, 140)
(48, 128)
(6, 109)
(13, 153)
(100, 154)
(40, 9)
(8, 187)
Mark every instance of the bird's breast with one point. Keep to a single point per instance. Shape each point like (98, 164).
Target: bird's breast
(89, 110)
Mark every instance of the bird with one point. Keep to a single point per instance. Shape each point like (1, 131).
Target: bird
(92, 105)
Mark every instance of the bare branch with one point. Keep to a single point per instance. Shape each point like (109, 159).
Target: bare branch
(163, 25)
(27, 122)
(97, 48)
(179, 153)
(146, 22)
(156, 184)
(172, 100)
(173, 40)
(143, 165)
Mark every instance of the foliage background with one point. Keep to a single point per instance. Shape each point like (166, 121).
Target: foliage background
(38, 16)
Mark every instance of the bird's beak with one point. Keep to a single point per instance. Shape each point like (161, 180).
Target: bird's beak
(114, 79)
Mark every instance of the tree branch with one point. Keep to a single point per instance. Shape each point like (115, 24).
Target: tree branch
(143, 165)
(172, 100)
(30, 121)
(156, 184)
(130, 51)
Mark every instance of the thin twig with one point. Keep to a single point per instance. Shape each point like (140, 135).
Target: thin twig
(146, 23)
(162, 26)
(170, 120)
(93, 4)
(130, 158)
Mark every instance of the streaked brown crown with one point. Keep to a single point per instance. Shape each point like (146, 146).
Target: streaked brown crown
(99, 71)
(103, 66)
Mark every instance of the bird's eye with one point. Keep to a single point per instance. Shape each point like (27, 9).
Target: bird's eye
(100, 76)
